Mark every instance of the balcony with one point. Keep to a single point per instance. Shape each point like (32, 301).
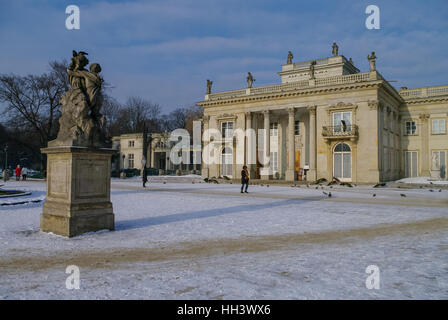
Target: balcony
(340, 132)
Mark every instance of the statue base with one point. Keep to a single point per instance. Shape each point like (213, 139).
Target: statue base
(78, 191)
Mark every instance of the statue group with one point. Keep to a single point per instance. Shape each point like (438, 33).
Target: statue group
(81, 122)
(78, 161)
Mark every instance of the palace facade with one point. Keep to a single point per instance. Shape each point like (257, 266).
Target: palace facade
(334, 121)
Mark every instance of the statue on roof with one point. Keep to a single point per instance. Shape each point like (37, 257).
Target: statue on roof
(209, 86)
(335, 49)
(372, 59)
(290, 57)
(312, 65)
(250, 80)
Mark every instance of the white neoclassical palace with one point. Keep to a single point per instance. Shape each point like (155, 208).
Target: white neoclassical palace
(333, 120)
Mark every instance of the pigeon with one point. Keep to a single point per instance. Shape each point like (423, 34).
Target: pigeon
(317, 188)
(403, 195)
(331, 187)
(267, 185)
(374, 194)
(430, 182)
(325, 193)
(329, 195)
(164, 182)
(440, 190)
(430, 190)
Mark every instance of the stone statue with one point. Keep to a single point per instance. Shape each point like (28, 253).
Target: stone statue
(351, 61)
(81, 123)
(209, 86)
(312, 65)
(250, 80)
(372, 59)
(290, 57)
(335, 49)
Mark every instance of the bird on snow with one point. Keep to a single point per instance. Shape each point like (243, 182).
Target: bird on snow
(430, 190)
(403, 195)
(440, 190)
(374, 194)
(329, 194)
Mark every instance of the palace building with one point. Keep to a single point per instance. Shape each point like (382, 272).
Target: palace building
(334, 121)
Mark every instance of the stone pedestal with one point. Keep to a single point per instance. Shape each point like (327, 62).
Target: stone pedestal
(78, 191)
(435, 175)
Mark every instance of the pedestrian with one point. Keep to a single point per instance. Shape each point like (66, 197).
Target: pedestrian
(18, 172)
(24, 173)
(244, 179)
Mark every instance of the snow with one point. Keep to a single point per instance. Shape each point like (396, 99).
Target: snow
(422, 180)
(196, 240)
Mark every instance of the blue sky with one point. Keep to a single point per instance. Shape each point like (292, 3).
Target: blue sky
(165, 50)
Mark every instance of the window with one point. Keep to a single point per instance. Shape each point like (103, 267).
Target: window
(227, 162)
(410, 128)
(410, 164)
(297, 127)
(131, 161)
(342, 161)
(227, 129)
(342, 121)
(131, 143)
(274, 129)
(438, 126)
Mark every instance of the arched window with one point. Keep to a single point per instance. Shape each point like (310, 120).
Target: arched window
(342, 162)
(227, 162)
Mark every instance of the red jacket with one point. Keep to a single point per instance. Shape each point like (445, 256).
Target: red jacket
(18, 171)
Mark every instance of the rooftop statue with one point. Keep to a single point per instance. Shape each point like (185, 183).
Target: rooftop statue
(372, 59)
(335, 49)
(312, 65)
(250, 80)
(209, 86)
(81, 122)
(290, 57)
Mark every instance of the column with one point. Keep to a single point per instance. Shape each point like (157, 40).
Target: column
(266, 171)
(250, 146)
(424, 152)
(290, 174)
(311, 174)
(205, 159)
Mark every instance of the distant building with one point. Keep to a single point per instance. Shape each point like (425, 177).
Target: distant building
(330, 118)
(158, 155)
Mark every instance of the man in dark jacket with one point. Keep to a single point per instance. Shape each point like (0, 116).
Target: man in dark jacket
(244, 179)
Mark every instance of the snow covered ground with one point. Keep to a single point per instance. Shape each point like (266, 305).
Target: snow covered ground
(207, 241)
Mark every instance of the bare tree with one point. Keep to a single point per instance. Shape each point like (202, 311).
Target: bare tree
(32, 103)
(135, 113)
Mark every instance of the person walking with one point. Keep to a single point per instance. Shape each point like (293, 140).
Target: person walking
(244, 179)
(24, 173)
(18, 172)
